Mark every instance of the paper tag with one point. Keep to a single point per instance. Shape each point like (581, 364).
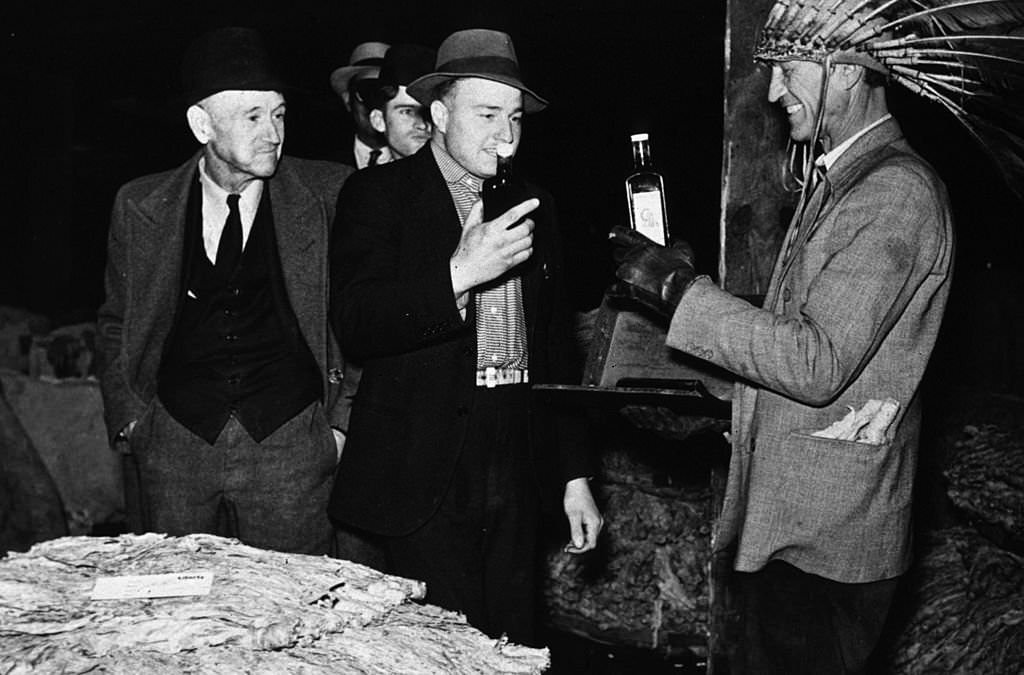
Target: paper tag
(152, 586)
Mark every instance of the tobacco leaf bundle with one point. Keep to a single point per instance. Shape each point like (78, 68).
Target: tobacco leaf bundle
(267, 612)
(967, 597)
(647, 585)
(986, 481)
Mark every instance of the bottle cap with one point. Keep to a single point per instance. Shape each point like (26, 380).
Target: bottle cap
(504, 149)
(638, 137)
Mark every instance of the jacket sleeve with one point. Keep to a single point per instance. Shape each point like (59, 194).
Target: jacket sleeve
(885, 250)
(339, 401)
(121, 405)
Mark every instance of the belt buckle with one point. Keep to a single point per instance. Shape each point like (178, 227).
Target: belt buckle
(490, 377)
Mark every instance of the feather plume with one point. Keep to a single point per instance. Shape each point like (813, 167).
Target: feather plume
(965, 55)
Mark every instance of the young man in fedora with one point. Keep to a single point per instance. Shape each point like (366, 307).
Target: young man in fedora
(402, 120)
(452, 318)
(368, 145)
(221, 377)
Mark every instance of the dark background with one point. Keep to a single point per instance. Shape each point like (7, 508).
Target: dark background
(90, 101)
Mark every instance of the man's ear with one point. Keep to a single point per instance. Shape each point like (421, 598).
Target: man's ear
(377, 121)
(439, 115)
(200, 123)
(849, 74)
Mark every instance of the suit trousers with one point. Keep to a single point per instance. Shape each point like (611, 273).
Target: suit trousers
(271, 494)
(478, 552)
(795, 623)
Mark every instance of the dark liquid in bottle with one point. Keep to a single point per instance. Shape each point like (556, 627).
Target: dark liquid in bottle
(502, 191)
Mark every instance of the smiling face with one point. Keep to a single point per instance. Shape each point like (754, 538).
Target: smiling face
(474, 118)
(796, 86)
(243, 132)
(403, 122)
(850, 102)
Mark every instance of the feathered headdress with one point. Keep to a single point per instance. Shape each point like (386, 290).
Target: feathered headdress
(967, 55)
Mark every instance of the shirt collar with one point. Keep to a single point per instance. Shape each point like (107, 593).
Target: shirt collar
(361, 152)
(830, 157)
(249, 197)
(452, 171)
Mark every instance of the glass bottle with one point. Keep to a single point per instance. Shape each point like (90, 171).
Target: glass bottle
(504, 189)
(645, 193)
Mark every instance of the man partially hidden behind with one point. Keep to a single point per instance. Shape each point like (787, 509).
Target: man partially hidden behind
(402, 120)
(817, 509)
(221, 376)
(368, 147)
(453, 317)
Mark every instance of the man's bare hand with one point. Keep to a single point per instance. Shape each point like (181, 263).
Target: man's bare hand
(585, 519)
(488, 249)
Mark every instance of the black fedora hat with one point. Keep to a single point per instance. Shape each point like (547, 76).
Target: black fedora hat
(363, 64)
(402, 64)
(228, 58)
(477, 52)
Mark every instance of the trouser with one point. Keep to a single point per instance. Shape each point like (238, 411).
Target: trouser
(794, 623)
(477, 554)
(271, 494)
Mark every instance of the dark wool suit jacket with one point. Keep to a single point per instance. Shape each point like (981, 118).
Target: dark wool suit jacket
(850, 315)
(145, 256)
(393, 308)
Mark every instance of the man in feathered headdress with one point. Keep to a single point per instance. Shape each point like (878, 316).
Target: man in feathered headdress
(826, 412)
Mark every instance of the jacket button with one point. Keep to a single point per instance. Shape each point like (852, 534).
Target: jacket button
(787, 294)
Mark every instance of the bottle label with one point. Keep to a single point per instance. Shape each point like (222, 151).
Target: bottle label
(648, 219)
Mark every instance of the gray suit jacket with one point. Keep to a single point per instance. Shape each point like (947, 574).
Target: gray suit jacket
(144, 266)
(851, 314)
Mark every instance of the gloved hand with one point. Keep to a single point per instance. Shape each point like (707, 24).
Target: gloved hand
(655, 276)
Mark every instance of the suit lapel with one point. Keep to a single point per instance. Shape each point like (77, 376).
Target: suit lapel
(158, 250)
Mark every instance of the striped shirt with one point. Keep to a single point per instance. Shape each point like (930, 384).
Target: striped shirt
(500, 320)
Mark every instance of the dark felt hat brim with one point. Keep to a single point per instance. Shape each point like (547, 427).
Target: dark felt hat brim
(341, 78)
(421, 88)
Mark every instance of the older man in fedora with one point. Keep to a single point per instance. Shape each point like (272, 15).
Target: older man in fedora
(221, 377)
(453, 317)
(369, 147)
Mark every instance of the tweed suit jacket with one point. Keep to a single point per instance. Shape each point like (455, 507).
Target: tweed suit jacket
(393, 309)
(145, 253)
(851, 314)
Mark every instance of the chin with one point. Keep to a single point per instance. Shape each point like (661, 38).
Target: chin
(800, 135)
(265, 169)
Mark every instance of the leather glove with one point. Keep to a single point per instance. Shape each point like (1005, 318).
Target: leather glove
(652, 275)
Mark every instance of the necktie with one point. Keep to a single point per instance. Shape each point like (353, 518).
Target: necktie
(374, 156)
(814, 197)
(229, 250)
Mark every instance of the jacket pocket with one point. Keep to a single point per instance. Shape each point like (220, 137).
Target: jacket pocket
(811, 487)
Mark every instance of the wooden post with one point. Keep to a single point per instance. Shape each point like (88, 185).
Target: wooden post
(756, 209)
(755, 206)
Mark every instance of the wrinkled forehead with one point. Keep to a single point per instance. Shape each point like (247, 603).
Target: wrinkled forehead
(235, 100)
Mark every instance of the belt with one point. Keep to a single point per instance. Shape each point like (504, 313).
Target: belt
(494, 377)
